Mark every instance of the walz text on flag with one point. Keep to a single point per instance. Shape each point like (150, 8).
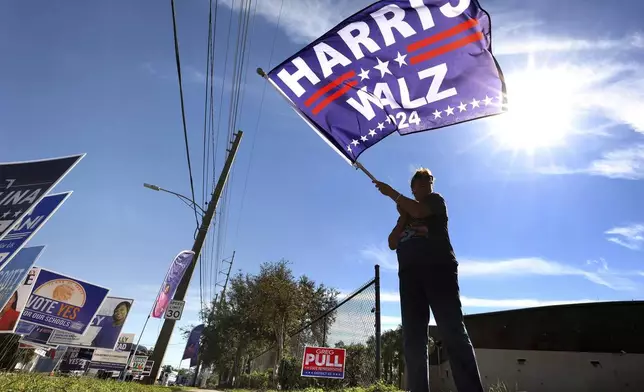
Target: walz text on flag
(171, 282)
(27, 227)
(24, 184)
(397, 65)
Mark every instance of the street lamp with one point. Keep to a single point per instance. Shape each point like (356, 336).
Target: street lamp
(191, 203)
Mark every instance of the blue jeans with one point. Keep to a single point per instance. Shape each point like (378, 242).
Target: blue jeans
(435, 285)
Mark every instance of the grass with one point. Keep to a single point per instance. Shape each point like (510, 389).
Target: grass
(27, 382)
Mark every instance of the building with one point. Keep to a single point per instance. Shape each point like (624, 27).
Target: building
(590, 347)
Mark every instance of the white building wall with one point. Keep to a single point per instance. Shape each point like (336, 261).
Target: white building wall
(551, 371)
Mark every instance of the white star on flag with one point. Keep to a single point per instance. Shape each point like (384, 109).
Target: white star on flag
(363, 74)
(475, 103)
(363, 138)
(383, 67)
(355, 142)
(381, 126)
(372, 132)
(449, 110)
(462, 107)
(17, 213)
(437, 114)
(349, 148)
(487, 100)
(388, 120)
(401, 59)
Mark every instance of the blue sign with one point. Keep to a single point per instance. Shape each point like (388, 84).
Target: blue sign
(395, 66)
(24, 184)
(24, 328)
(14, 274)
(63, 303)
(28, 226)
(38, 335)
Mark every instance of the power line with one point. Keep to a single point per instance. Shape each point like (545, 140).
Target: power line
(183, 109)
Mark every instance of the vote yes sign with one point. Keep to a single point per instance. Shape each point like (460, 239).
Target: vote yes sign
(323, 362)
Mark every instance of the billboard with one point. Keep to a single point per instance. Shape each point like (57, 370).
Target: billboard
(63, 303)
(11, 278)
(10, 319)
(104, 330)
(27, 227)
(171, 281)
(24, 184)
(323, 362)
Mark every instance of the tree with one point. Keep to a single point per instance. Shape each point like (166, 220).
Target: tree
(167, 369)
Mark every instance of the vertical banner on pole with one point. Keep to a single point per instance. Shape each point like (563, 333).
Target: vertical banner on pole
(171, 282)
(24, 184)
(192, 345)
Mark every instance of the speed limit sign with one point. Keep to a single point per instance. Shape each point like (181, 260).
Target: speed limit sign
(174, 311)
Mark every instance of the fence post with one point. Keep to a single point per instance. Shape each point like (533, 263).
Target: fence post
(378, 325)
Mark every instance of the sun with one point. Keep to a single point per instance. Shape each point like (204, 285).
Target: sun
(541, 109)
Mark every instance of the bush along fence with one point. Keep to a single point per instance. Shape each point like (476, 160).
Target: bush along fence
(354, 325)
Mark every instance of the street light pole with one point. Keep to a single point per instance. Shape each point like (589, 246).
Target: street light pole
(168, 325)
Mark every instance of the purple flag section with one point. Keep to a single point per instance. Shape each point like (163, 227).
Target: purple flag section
(397, 65)
(192, 345)
(171, 281)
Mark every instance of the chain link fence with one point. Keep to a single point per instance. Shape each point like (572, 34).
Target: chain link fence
(354, 325)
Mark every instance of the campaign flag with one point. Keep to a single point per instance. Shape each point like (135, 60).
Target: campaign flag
(192, 345)
(406, 66)
(171, 281)
(323, 362)
(104, 330)
(10, 319)
(24, 184)
(11, 277)
(63, 303)
(27, 227)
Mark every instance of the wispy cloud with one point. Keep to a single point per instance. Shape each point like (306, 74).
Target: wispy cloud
(508, 45)
(518, 267)
(626, 164)
(631, 237)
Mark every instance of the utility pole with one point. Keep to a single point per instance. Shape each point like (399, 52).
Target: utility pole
(214, 309)
(168, 325)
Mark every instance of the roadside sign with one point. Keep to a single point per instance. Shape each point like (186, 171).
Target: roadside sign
(323, 362)
(175, 309)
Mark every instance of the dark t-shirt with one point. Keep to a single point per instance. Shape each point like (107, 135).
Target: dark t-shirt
(427, 239)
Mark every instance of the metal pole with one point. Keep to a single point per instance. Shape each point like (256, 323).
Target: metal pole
(378, 325)
(168, 325)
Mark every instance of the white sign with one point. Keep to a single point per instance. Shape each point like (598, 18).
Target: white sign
(175, 309)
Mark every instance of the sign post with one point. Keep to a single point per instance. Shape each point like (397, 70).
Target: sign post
(175, 310)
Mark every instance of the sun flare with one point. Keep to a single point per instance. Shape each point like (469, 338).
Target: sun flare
(541, 109)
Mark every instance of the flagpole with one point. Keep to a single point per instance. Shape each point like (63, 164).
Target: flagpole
(356, 164)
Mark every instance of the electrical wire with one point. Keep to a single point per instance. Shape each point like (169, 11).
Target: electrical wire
(183, 109)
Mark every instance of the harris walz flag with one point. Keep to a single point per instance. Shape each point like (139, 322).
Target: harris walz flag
(192, 345)
(397, 65)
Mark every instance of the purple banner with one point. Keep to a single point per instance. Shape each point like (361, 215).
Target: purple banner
(192, 345)
(171, 281)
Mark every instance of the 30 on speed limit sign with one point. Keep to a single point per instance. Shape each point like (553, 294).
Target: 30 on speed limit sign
(175, 309)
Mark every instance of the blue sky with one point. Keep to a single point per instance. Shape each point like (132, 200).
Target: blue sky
(556, 219)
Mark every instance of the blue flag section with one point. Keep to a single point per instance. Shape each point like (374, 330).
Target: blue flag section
(171, 282)
(397, 65)
(11, 277)
(24, 184)
(63, 303)
(192, 345)
(29, 225)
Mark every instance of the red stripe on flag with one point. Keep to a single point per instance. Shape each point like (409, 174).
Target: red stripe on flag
(334, 96)
(329, 87)
(459, 28)
(447, 48)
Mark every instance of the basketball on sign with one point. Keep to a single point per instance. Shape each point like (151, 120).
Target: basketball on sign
(323, 362)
